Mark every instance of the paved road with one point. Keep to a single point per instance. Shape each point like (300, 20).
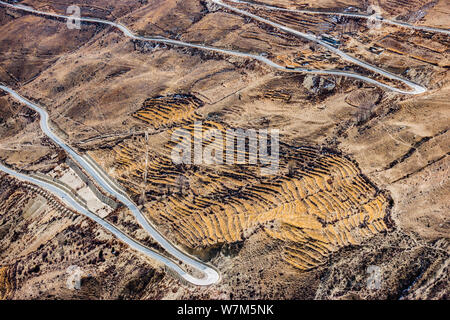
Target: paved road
(350, 14)
(416, 88)
(70, 202)
(211, 275)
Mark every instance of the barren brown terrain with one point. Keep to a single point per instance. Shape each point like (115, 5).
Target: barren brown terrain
(363, 175)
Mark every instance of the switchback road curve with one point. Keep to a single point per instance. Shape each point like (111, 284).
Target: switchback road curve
(211, 275)
(416, 88)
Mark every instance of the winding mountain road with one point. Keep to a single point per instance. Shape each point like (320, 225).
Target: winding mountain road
(348, 14)
(416, 88)
(211, 275)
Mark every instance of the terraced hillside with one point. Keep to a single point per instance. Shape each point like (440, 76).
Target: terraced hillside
(5, 285)
(277, 95)
(317, 203)
(165, 111)
(400, 6)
